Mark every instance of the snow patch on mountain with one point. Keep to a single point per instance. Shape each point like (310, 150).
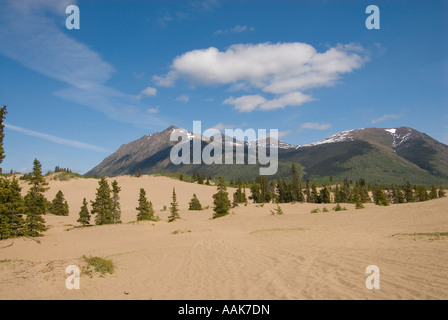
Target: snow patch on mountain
(338, 137)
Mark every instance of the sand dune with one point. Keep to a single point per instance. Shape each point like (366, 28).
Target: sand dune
(246, 255)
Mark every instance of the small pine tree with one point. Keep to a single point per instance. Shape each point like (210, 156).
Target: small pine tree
(12, 208)
(58, 206)
(380, 197)
(35, 201)
(116, 211)
(195, 204)
(139, 173)
(325, 195)
(145, 211)
(174, 209)
(441, 192)
(408, 192)
(103, 205)
(433, 193)
(84, 215)
(221, 200)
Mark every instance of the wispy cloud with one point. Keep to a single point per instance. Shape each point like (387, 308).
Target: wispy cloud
(58, 140)
(153, 110)
(186, 10)
(29, 35)
(235, 29)
(387, 117)
(183, 98)
(314, 126)
(221, 126)
(149, 91)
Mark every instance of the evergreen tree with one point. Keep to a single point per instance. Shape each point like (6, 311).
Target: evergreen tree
(12, 208)
(174, 209)
(35, 201)
(59, 206)
(397, 194)
(195, 204)
(408, 192)
(220, 200)
(265, 192)
(441, 192)
(433, 193)
(116, 211)
(297, 194)
(421, 194)
(139, 173)
(239, 196)
(309, 199)
(145, 211)
(103, 205)
(255, 193)
(314, 194)
(325, 195)
(337, 197)
(84, 215)
(380, 197)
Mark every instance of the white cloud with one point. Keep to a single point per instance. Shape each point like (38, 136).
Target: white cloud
(150, 91)
(387, 117)
(63, 141)
(256, 102)
(221, 127)
(183, 98)
(279, 69)
(246, 103)
(153, 110)
(235, 29)
(285, 133)
(315, 126)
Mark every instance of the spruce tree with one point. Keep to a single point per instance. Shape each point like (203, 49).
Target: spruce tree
(325, 195)
(441, 192)
(433, 193)
(194, 203)
(309, 198)
(255, 193)
(314, 194)
(297, 194)
(35, 201)
(103, 205)
(84, 215)
(380, 197)
(174, 209)
(408, 192)
(12, 208)
(144, 209)
(116, 212)
(221, 200)
(59, 206)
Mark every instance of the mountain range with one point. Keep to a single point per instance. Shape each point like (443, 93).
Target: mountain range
(378, 155)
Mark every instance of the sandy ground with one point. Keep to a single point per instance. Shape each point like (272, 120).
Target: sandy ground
(246, 255)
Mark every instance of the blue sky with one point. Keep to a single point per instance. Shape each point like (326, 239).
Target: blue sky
(307, 68)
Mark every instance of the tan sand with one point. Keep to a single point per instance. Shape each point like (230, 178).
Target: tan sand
(246, 255)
